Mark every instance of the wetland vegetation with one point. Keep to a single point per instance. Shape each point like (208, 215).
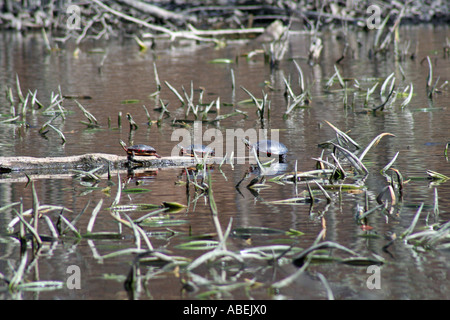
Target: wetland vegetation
(361, 108)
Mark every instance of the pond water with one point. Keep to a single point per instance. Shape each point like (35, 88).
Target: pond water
(112, 73)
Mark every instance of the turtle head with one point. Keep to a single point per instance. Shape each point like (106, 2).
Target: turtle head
(246, 142)
(181, 149)
(124, 146)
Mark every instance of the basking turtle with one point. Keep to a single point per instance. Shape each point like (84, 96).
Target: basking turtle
(199, 149)
(269, 148)
(139, 150)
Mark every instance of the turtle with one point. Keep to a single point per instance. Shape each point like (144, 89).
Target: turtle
(269, 148)
(199, 149)
(139, 150)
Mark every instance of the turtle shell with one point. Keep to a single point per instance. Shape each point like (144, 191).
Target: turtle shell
(140, 150)
(198, 149)
(270, 147)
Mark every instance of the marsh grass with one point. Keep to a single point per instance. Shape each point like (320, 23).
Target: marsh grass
(93, 123)
(261, 104)
(302, 258)
(298, 100)
(19, 282)
(214, 252)
(197, 107)
(390, 89)
(277, 49)
(29, 105)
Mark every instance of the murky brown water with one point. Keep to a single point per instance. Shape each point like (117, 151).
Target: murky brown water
(421, 132)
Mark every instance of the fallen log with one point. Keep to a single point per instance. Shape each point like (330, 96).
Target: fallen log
(89, 162)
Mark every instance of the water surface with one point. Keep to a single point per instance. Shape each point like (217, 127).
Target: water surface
(119, 72)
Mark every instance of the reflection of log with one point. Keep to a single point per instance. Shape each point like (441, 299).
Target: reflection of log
(27, 176)
(86, 162)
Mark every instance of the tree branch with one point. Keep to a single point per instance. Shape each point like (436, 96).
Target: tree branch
(157, 11)
(135, 20)
(172, 34)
